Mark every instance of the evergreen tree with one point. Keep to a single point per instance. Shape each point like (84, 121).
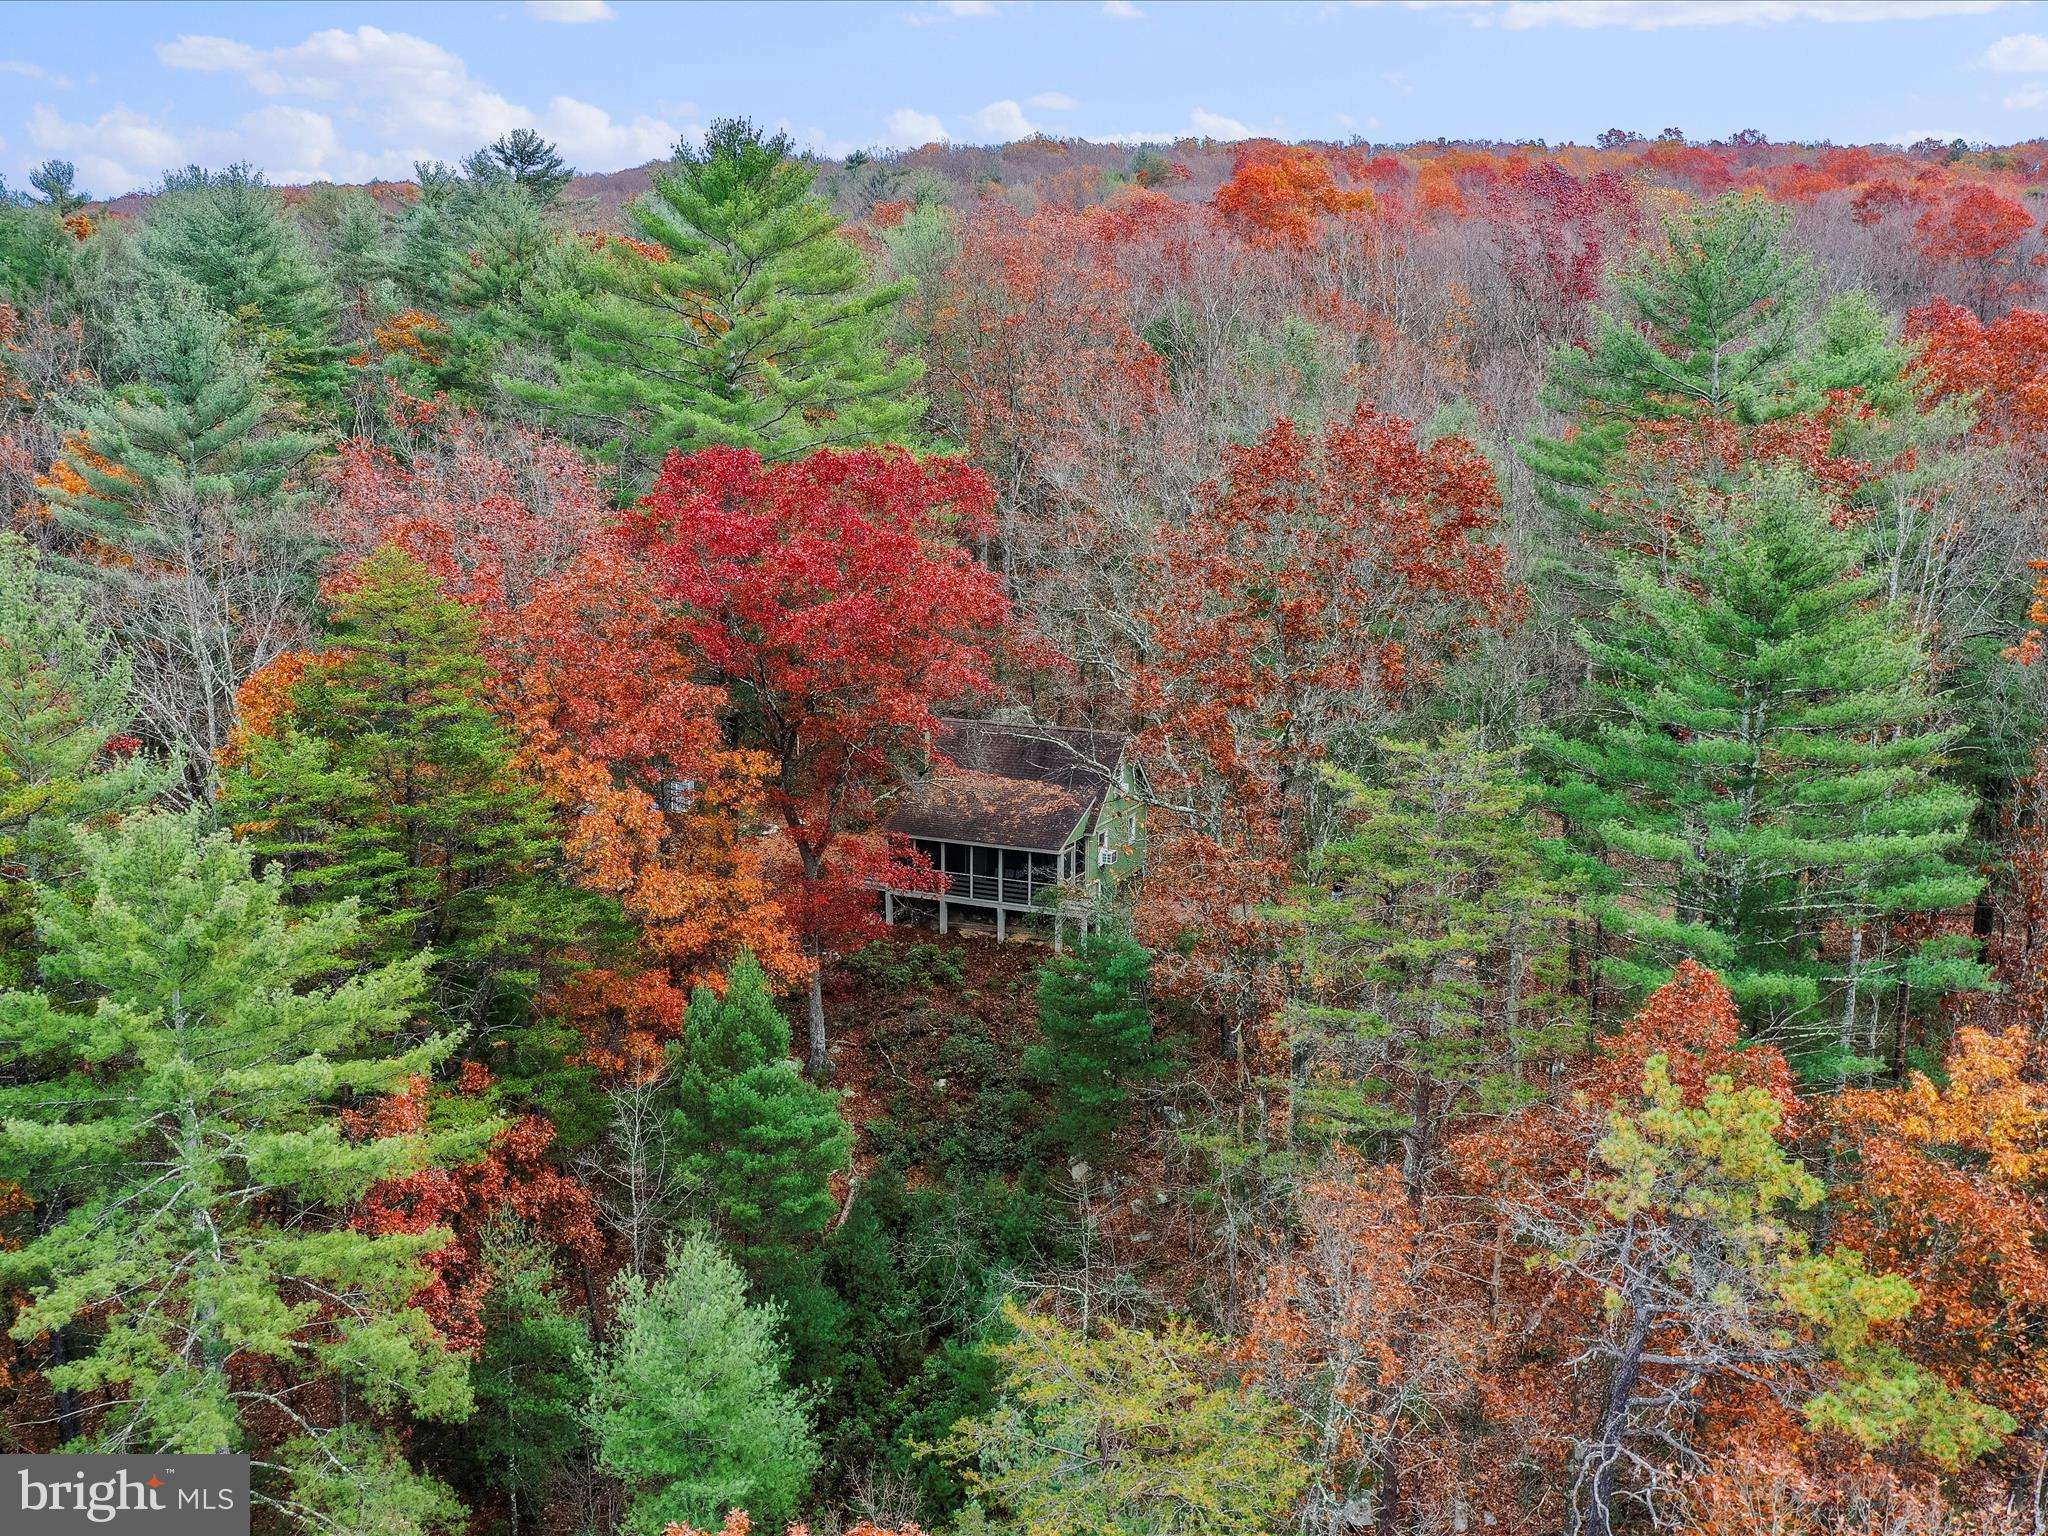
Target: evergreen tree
(195, 423)
(1759, 785)
(175, 1105)
(57, 181)
(1096, 1018)
(688, 1406)
(756, 1144)
(390, 781)
(1431, 952)
(1692, 1247)
(756, 1139)
(38, 254)
(353, 238)
(482, 260)
(742, 318)
(530, 1379)
(64, 696)
(173, 493)
(230, 234)
(1705, 329)
(525, 159)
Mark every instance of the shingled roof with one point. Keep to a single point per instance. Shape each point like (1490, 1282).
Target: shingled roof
(1009, 786)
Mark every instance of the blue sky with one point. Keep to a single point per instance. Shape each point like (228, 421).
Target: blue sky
(349, 91)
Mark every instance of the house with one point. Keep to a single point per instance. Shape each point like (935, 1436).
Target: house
(1030, 825)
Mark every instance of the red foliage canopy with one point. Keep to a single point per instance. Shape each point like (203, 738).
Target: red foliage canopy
(1320, 579)
(835, 600)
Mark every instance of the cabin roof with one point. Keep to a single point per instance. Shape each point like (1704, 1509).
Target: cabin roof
(1009, 785)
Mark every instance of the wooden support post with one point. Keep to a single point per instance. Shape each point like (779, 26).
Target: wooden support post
(1002, 923)
(889, 908)
(1059, 933)
(942, 914)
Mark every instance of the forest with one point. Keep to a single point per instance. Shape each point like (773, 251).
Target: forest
(1561, 1045)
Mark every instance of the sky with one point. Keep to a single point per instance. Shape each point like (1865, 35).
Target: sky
(350, 92)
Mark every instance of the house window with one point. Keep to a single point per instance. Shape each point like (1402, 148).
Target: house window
(1102, 853)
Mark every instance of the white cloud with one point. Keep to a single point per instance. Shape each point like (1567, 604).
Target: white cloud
(950, 10)
(2028, 98)
(2023, 54)
(1213, 125)
(1002, 121)
(29, 71)
(401, 99)
(1122, 10)
(123, 149)
(1052, 101)
(570, 12)
(909, 129)
(404, 85)
(1654, 15)
(589, 135)
(1202, 124)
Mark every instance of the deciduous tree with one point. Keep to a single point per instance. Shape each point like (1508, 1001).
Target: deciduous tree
(1316, 584)
(834, 602)
(1126, 1430)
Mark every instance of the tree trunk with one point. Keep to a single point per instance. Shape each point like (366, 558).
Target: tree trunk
(1386, 1510)
(70, 1412)
(821, 1060)
(1603, 1455)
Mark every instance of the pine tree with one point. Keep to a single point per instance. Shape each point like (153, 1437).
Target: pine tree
(195, 424)
(1096, 1018)
(1706, 329)
(230, 234)
(525, 159)
(174, 497)
(64, 697)
(353, 237)
(1691, 1245)
(481, 259)
(57, 181)
(756, 1140)
(741, 317)
(389, 780)
(530, 1379)
(39, 255)
(175, 1105)
(1759, 786)
(1431, 953)
(688, 1406)
(755, 1146)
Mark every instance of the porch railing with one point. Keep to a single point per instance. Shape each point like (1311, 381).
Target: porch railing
(1043, 892)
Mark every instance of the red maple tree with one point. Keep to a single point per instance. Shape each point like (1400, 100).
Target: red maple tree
(1319, 580)
(836, 602)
